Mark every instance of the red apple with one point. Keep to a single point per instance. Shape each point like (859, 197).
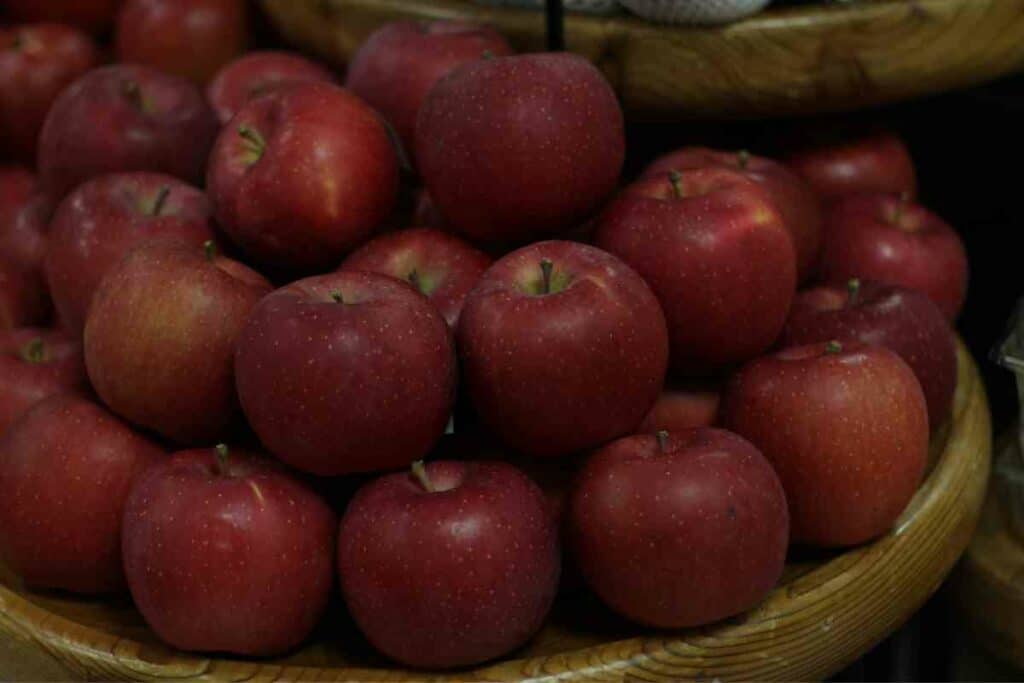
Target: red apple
(563, 348)
(124, 117)
(35, 364)
(400, 62)
(302, 176)
(425, 214)
(440, 265)
(258, 73)
(682, 405)
(679, 529)
(796, 202)
(160, 338)
(226, 551)
(714, 249)
(517, 148)
(902, 320)
(346, 372)
(91, 15)
(104, 219)
(875, 163)
(36, 62)
(65, 469)
(895, 241)
(452, 566)
(24, 217)
(846, 428)
(189, 38)
(23, 299)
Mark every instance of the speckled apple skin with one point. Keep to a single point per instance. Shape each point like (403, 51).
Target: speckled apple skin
(567, 371)
(326, 179)
(65, 471)
(519, 148)
(24, 218)
(24, 383)
(719, 259)
(95, 127)
(876, 163)
(160, 339)
(796, 202)
(257, 73)
(105, 218)
(682, 536)
(240, 563)
(444, 264)
(682, 405)
(334, 388)
(847, 433)
(899, 319)
(454, 577)
(23, 298)
(925, 253)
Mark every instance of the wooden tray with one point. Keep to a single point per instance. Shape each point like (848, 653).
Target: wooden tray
(827, 612)
(791, 60)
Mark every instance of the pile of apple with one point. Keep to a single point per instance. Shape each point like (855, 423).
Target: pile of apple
(245, 325)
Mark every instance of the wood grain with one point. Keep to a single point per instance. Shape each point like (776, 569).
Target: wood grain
(789, 60)
(829, 609)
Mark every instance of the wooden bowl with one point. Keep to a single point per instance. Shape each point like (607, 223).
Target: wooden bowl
(829, 609)
(790, 60)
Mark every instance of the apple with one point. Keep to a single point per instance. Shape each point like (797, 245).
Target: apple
(124, 117)
(878, 162)
(563, 347)
(104, 219)
(517, 148)
(346, 372)
(846, 427)
(160, 338)
(452, 565)
(717, 254)
(680, 528)
(257, 73)
(65, 469)
(682, 405)
(23, 300)
(24, 217)
(226, 551)
(90, 15)
(302, 176)
(902, 320)
(36, 62)
(425, 214)
(898, 242)
(795, 201)
(438, 264)
(35, 364)
(399, 63)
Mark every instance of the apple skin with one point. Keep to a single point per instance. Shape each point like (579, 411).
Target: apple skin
(36, 62)
(104, 219)
(359, 385)
(680, 534)
(160, 339)
(900, 319)
(716, 254)
(232, 558)
(446, 268)
(23, 299)
(796, 202)
(257, 73)
(875, 163)
(311, 179)
(188, 38)
(518, 148)
(24, 217)
(425, 214)
(895, 241)
(403, 555)
(124, 117)
(66, 468)
(846, 430)
(682, 405)
(557, 373)
(90, 15)
(35, 364)
(398, 64)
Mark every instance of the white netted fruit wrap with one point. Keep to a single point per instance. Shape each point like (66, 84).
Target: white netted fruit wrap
(694, 11)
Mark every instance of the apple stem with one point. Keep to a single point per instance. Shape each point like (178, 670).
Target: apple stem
(130, 89)
(833, 347)
(18, 42)
(853, 290)
(221, 452)
(255, 144)
(161, 198)
(420, 472)
(338, 298)
(545, 273)
(675, 177)
(487, 54)
(662, 440)
(414, 279)
(34, 351)
(210, 249)
(742, 159)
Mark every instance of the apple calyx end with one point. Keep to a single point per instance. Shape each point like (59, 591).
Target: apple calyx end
(742, 159)
(34, 351)
(419, 472)
(662, 437)
(833, 347)
(487, 55)
(676, 178)
(221, 452)
(337, 297)
(210, 250)
(252, 142)
(133, 93)
(852, 291)
(414, 279)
